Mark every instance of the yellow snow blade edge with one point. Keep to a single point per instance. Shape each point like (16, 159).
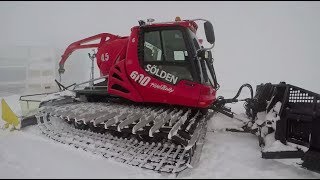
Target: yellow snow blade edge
(9, 116)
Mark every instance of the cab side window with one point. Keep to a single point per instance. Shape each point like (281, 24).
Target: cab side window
(152, 46)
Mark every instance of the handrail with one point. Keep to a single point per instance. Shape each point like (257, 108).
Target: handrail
(91, 80)
(33, 95)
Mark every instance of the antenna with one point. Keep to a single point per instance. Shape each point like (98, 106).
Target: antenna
(92, 67)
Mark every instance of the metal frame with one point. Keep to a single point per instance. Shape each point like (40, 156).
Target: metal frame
(91, 86)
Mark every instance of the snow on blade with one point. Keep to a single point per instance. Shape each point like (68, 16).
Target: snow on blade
(277, 146)
(221, 122)
(261, 118)
(267, 120)
(277, 107)
(300, 147)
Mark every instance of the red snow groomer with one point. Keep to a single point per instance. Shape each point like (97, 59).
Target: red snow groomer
(157, 63)
(151, 105)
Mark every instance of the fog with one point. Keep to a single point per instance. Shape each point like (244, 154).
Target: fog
(256, 42)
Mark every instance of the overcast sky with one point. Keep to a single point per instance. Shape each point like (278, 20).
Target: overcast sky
(256, 42)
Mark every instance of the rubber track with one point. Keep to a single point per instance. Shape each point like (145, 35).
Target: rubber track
(155, 156)
(165, 157)
(167, 123)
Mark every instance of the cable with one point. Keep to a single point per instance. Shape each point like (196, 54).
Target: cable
(240, 89)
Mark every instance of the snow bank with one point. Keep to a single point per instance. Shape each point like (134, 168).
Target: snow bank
(232, 155)
(302, 148)
(222, 122)
(278, 146)
(273, 145)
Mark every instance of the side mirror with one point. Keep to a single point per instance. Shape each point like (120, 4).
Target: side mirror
(208, 28)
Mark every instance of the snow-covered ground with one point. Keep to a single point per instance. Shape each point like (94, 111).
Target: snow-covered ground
(24, 154)
(28, 154)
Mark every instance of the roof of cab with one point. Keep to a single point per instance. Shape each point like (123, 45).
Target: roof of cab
(185, 23)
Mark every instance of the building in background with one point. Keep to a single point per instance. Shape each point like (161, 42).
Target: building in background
(33, 69)
(27, 69)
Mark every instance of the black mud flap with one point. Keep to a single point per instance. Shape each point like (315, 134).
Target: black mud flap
(282, 154)
(28, 121)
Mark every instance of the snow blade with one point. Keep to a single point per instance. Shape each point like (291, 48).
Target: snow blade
(298, 123)
(9, 115)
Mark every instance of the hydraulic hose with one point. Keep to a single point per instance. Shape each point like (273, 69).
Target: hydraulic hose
(219, 104)
(240, 89)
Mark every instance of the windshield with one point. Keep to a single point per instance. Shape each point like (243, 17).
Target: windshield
(165, 51)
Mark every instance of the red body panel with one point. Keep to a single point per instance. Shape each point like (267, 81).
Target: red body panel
(118, 58)
(130, 92)
(109, 53)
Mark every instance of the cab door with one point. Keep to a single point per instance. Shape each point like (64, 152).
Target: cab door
(167, 59)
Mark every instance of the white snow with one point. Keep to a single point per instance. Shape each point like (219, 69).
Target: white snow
(277, 107)
(278, 146)
(303, 148)
(247, 29)
(261, 116)
(237, 155)
(2, 122)
(268, 119)
(273, 145)
(221, 122)
(28, 154)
